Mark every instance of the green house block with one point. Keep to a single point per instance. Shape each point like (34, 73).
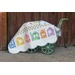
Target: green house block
(35, 36)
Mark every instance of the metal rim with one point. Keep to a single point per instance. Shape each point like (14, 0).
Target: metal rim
(48, 49)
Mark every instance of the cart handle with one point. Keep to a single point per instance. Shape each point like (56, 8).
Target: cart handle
(60, 22)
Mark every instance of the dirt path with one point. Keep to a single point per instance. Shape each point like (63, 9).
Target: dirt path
(61, 54)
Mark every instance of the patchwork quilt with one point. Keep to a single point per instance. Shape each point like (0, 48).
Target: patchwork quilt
(33, 34)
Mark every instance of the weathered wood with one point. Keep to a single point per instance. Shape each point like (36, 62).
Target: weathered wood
(15, 20)
(44, 16)
(60, 41)
(67, 29)
(72, 20)
(0, 31)
(36, 16)
(12, 25)
(3, 31)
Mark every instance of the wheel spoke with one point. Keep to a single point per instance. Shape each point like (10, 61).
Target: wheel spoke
(32, 50)
(48, 49)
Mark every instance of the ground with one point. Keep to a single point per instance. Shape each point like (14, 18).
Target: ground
(60, 54)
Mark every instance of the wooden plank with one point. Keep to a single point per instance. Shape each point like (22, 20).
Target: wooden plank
(44, 16)
(12, 25)
(37, 16)
(27, 17)
(68, 29)
(52, 17)
(20, 19)
(60, 41)
(0, 31)
(73, 29)
(3, 31)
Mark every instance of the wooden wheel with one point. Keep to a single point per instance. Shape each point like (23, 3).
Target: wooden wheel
(48, 49)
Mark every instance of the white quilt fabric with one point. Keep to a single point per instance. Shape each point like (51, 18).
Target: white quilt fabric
(33, 34)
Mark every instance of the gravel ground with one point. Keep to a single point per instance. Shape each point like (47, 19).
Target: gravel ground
(61, 54)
